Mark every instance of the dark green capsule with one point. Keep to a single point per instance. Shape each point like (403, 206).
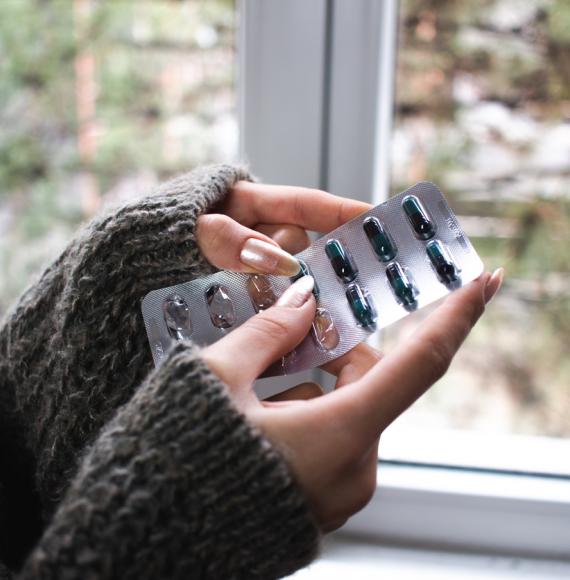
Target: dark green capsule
(380, 240)
(304, 271)
(401, 286)
(341, 261)
(423, 227)
(442, 262)
(362, 306)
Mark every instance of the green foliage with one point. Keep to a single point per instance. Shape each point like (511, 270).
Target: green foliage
(155, 62)
(559, 22)
(21, 161)
(479, 86)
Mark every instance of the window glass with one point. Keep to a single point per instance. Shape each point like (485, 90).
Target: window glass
(100, 101)
(482, 108)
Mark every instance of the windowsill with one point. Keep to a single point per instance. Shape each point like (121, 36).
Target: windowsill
(468, 511)
(348, 558)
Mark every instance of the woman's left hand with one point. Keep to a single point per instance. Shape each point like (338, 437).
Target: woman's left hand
(258, 226)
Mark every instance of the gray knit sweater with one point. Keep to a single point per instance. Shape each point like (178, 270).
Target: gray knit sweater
(108, 468)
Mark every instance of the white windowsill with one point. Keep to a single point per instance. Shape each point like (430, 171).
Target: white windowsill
(463, 510)
(344, 558)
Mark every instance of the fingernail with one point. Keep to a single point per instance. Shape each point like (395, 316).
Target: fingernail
(266, 258)
(493, 284)
(298, 293)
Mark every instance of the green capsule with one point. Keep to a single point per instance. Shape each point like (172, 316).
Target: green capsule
(362, 306)
(442, 262)
(304, 271)
(423, 227)
(403, 289)
(380, 240)
(341, 261)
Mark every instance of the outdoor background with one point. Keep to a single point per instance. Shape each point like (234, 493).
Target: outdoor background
(99, 101)
(483, 110)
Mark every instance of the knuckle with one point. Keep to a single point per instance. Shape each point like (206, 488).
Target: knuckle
(439, 355)
(341, 211)
(298, 207)
(294, 239)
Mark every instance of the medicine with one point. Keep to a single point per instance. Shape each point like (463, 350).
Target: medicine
(362, 306)
(260, 292)
(341, 260)
(304, 271)
(403, 289)
(380, 240)
(325, 332)
(220, 306)
(177, 317)
(375, 269)
(442, 262)
(418, 218)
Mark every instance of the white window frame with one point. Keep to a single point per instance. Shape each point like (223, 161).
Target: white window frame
(315, 86)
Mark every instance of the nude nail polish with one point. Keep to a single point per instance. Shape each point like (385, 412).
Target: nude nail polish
(493, 284)
(298, 293)
(265, 258)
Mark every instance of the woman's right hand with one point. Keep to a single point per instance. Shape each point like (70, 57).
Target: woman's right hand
(330, 442)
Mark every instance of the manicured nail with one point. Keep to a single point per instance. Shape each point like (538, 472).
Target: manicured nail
(298, 293)
(493, 284)
(266, 258)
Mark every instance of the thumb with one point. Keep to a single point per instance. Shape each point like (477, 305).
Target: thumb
(230, 246)
(241, 356)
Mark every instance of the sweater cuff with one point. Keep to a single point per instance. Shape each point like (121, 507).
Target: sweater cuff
(179, 485)
(263, 525)
(191, 195)
(152, 240)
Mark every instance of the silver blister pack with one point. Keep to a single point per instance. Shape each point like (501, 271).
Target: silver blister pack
(396, 258)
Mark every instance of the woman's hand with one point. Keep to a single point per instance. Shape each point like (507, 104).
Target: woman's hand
(330, 441)
(257, 225)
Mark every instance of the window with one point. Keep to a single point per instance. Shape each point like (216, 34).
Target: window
(481, 108)
(100, 101)
(349, 107)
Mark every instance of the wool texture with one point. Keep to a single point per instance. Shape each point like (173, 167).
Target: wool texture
(109, 469)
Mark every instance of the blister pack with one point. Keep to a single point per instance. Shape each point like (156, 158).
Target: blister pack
(396, 258)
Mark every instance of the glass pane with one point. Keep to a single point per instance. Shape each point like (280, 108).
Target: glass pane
(483, 110)
(100, 102)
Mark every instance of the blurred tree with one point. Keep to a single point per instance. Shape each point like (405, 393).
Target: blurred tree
(100, 99)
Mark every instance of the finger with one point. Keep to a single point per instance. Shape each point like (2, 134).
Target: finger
(393, 384)
(351, 366)
(228, 245)
(311, 209)
(304, 391)
(292, 239)
(240, 357)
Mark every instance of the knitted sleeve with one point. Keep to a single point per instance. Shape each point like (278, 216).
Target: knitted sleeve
(74, 348)
(177, 486)
(73, 351)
